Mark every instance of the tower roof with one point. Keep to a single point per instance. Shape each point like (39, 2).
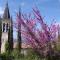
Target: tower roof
(6, 14)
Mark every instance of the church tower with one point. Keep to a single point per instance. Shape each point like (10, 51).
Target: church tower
(7, 29)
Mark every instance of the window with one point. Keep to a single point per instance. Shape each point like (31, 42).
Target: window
(3, 27)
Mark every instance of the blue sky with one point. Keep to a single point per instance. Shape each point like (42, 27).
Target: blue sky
(49, 9)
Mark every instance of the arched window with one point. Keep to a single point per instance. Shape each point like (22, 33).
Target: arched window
(3, 27)
(7, 27)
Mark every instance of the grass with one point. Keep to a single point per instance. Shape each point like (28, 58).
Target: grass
(15, 55)
(58, 46)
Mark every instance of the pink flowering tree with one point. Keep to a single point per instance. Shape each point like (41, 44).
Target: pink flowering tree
(38, 38)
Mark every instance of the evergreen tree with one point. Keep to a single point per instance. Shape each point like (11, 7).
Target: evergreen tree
(9, 39)
(0, 32)
(19, 33)
(10, 36)
(19, 41)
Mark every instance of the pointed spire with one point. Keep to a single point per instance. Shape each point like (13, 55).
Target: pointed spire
(6, 14)
(19, 12)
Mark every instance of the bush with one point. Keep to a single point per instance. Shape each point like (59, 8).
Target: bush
(7, 47)
(5, 56)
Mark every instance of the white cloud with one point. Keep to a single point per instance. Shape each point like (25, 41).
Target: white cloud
(22, 4)
(1, 11)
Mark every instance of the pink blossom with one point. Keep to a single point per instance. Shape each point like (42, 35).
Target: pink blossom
(40, 39)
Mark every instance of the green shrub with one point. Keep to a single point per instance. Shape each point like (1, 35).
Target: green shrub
(7, 47)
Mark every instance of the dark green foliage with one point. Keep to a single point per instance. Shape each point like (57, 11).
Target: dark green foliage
(7, 47)
(16, 55)
(6, 56)
(0, 32)
(55, 55)
(19, 39)
(19, 42)
(10, 36)
(19, 33)
(9, 40)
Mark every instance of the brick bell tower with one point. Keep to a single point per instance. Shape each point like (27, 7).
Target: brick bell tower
(6, 25)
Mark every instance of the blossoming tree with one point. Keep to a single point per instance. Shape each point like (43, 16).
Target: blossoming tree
(39, 39)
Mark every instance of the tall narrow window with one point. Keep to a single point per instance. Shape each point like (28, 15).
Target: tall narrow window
(3, 27)
(7, 27)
